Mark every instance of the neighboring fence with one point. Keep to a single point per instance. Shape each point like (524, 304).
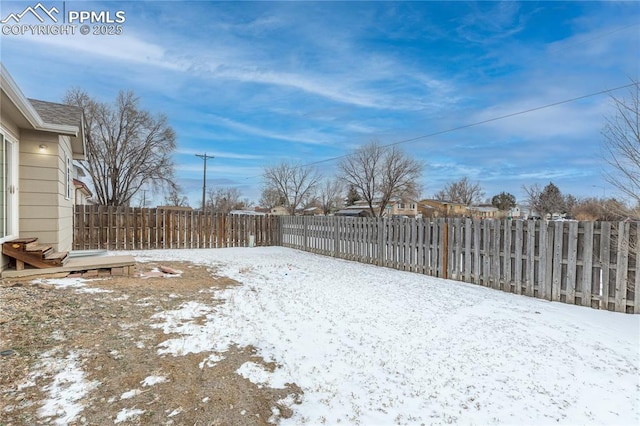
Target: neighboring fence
(124, 228)
(581, 263)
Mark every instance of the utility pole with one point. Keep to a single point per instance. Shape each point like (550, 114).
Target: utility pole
(144, 198)
(204, 178)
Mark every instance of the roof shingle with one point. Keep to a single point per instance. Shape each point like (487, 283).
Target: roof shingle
(53, 113)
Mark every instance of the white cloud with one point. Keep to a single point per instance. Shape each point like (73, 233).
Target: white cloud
(220, 154)
(127, 47)
(308, 137)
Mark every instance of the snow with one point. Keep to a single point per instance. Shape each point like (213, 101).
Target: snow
(371, 345)
(127, 414)
(79, 284)
(130, 394)
(67, 388)
(258, 375)
(153, 380)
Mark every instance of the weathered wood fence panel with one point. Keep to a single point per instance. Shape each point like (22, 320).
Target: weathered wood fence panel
(581, 263)
(124, 228)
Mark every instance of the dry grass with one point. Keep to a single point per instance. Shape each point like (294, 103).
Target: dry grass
(119, 349)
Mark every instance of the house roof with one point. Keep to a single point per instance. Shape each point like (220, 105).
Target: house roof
(351, 212)
(247, 213)
(54, 113)
(82, 187)
(40, 117)
(483, 209)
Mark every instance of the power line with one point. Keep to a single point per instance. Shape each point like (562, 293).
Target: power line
(478, 123)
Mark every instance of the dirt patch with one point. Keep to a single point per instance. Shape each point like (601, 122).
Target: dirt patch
(109, 337)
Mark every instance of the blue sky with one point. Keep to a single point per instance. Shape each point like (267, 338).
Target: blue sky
(256, 83)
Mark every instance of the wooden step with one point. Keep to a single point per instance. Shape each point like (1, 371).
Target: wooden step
(39, 250)
(31, 245)
(34, 259)
(22, 243)
(57, 258)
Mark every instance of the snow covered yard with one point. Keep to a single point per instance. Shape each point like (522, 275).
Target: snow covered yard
(374, 346)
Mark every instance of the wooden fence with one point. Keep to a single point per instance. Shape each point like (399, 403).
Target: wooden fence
(123, 228)
(581, 263)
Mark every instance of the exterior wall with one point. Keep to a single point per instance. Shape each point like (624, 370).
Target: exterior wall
(279, 211)
(446, 209)
(45, 213)
(409, 208)
(80, 198)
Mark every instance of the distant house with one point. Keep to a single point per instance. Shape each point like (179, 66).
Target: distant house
(176, 208)
(395, 207)
(401, 207)
(442, 208)
(515, 212)
(485, 212)
(82, 193)
(246, 213)
(38, 142)
(279, 211)
(313, 211)
(354, 211)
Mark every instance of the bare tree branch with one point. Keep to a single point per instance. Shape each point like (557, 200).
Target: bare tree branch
(127, 148)
(462, 192)
(294, 184)
(381, 173)
(622, 145)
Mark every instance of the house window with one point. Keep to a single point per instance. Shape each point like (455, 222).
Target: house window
(412, 206)
(68, 179)
(402, 205)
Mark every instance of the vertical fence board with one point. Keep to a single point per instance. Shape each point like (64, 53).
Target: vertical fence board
(530, 258)
(572, 251)
(544, 263)
(621, 267)
(557, 262)
(605, 247)
(519, 237)
(476, 251)
(507, 250)
(587, 264)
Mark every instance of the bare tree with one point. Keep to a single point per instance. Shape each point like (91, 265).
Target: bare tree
(127, 148)
(379, 173)
(462, 191)
(270, 198)
(330, 195)
(533, 197)
(175, 198)
(223, 200)
(294, 184)
(622, 145)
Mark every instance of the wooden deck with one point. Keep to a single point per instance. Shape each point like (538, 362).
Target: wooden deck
(87, 265)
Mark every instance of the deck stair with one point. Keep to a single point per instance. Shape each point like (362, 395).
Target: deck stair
(29, 251)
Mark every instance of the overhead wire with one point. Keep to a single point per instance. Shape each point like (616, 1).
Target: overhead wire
(477, 123)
